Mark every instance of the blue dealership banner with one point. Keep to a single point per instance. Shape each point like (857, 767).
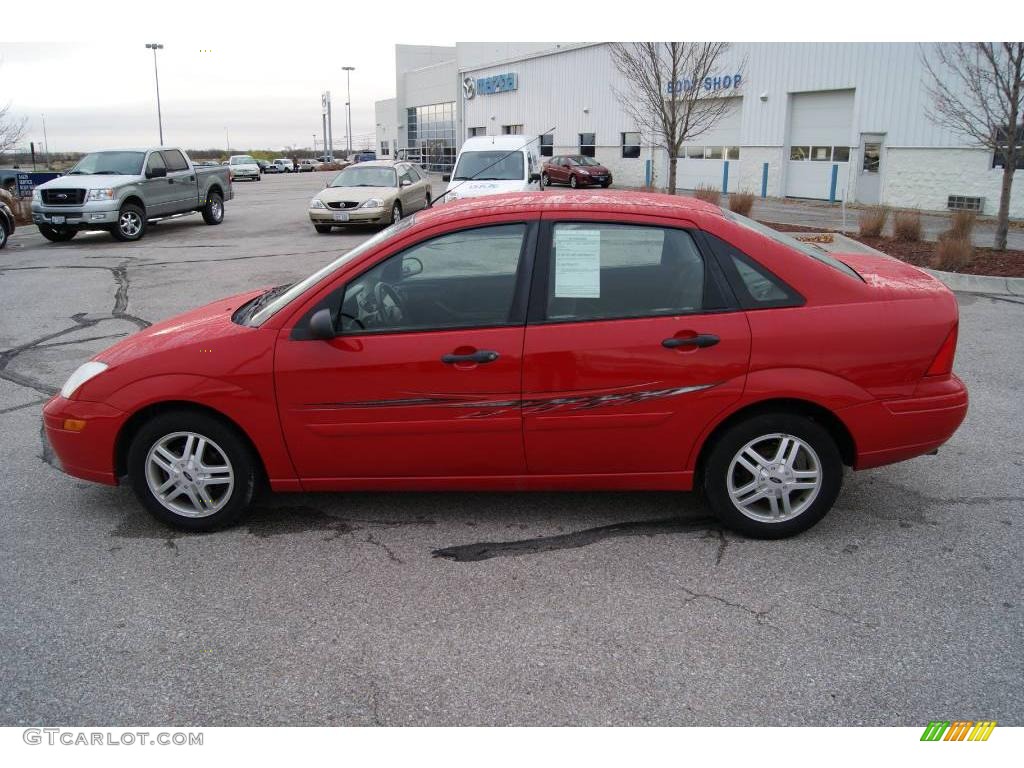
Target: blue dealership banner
(29, 181)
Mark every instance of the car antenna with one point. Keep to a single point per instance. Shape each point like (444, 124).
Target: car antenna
(518, 149)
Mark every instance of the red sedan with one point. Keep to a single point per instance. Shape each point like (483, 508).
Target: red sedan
(534, 342)
(576, 171)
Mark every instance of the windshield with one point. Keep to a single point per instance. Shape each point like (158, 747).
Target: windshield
(114, 163)
(791, 242)
(490, 166)
(367, 176)
(302, 286)
(582, 160)
(242, 160)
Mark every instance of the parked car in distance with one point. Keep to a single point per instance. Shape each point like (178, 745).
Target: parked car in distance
(364, 157)
(284, 165)
(244, 167)
(308, 165)
(576, 171)
(263, 164)
(7, 223)
(121, 190)
(378, 192)
(627, 341)
(492, 165)
(269, 167)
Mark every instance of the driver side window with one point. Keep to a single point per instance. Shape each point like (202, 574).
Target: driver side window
(464, 279)
(155, 161)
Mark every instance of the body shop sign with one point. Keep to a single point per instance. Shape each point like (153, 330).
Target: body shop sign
(718, 83)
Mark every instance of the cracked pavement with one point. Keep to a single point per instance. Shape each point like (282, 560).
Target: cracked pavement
(902, 606)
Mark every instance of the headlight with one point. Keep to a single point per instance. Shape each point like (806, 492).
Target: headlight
(37, 195)
(583, 172)
(317, 203)
(373, 202)
(84, 372)
(101, 194)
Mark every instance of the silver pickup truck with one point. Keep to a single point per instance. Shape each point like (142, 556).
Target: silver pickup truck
(121, 190)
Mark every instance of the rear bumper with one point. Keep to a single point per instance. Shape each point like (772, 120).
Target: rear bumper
(88, 453)
(887, 431)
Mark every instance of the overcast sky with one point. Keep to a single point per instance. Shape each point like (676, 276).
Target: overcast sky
(266, 94)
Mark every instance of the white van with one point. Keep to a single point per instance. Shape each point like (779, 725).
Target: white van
(490, 165)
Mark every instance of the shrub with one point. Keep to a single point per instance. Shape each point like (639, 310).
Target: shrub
(741, 203)
(332, 166)
(961, 225)
(872, 221)
(906, 226)
(953, 254)
(708, 195)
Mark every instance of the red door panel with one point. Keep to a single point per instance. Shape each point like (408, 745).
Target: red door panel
(609, 397)
(385, 405)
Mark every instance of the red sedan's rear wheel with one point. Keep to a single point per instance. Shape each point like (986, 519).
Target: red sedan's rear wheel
(773, 475)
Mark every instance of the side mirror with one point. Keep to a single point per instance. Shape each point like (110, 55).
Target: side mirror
(534, 177)
(411, 266)
(406, 183)
(446, 177)
(156, 173)
(321, 324)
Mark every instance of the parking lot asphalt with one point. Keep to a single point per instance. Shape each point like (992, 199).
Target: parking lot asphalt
(902, 606)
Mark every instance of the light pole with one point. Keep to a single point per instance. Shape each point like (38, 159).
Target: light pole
(46, 144)
(227, 139)
(156, 73)
(348, 104)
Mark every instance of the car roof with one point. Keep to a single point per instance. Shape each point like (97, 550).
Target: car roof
(612, 201)
(484, 143)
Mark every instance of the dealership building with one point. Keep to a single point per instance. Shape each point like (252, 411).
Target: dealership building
(826, 121)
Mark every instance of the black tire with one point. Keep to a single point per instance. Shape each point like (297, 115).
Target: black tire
(130, 225)
(572, 181)
(545, 180)
(56, 234)
(224, 442)
(213, 210)
(768, 427)
(323, 229)
(3, 234)
(606, 185)
(396, 213)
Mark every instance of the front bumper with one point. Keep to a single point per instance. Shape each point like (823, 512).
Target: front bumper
(245, 174)
(101, 213)
(87, 453)
(595, 181)
(355, 216)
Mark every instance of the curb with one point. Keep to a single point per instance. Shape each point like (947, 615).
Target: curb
(1000, 286)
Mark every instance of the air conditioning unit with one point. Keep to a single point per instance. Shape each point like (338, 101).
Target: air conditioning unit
(964, 203)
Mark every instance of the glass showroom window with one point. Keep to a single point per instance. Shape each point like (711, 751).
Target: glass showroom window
(512, 130)
(547, 144)
(631, 144)
(587, 144)
(431, 131)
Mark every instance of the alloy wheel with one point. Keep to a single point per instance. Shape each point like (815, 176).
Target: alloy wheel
(130, 223)
(189, 474)
(774, 478)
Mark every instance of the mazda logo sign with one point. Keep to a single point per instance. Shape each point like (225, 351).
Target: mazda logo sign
(468, 88)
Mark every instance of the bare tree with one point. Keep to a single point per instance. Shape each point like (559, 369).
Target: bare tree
(672, 96)
(12, 129)
(977, 89)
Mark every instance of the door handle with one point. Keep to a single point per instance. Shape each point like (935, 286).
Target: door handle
(701, 340)
(481, 356)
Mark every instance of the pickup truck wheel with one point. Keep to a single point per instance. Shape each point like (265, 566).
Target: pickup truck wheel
(213, 211)
(131, 223)
(323, 229)
(3, 234)
(56, 234)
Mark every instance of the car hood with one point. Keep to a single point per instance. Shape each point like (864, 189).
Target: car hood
(88, 181)
(356, 194)
(192, 327)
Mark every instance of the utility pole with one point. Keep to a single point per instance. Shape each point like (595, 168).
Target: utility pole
(46, 144)
(348, 104)
(227, 139)
(156, 74)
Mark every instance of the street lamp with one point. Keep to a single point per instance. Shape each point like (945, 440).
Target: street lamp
(348, 103)
(156, 73)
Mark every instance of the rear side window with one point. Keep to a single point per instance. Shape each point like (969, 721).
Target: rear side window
(607, 271)
(755, 286)
(175, 160)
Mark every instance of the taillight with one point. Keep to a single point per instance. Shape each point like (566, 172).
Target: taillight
(942, 365)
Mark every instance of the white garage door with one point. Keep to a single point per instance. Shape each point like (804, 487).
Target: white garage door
(705, 156)
(821, 124)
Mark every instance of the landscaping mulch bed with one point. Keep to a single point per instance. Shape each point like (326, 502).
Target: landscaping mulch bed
(922, 253)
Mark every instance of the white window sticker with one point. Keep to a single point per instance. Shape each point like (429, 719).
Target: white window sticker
(577, 264)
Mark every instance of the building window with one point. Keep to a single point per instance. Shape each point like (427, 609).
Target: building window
(821, 154)
(732, 153)
(999, 156)
(631, 144)
(695, 153)
(384, 148)
(713, 153)
(477, 131)
(430, 136)
(840, 154)
(547, 144)
(799, 153)
(512, 130)
(587, 143)
(872, 151)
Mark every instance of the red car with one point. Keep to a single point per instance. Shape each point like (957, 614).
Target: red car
(534, 342)
(576, 171)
